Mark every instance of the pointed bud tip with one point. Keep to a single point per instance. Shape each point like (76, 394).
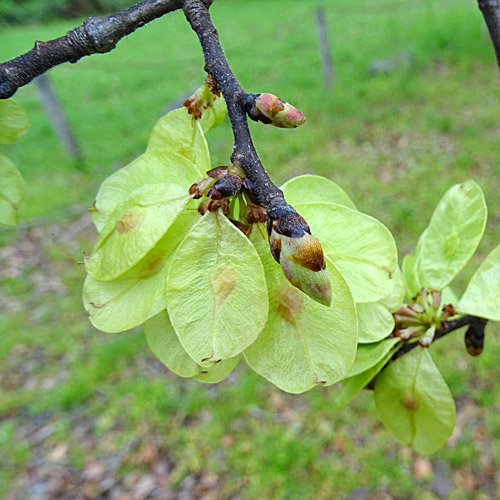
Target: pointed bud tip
(303, 264)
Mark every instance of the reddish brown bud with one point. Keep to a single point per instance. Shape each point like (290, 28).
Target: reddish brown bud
(210, 83)
(229, 185)
(406, 311)
(276, 111)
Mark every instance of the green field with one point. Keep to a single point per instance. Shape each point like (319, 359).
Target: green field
(84, 414)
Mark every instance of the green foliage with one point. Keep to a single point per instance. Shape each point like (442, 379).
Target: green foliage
(375, 322)
(165, 344)
(368, 355)
(218, 291)
(303, 344)
(13, 124)
(412, 398)
(482, 295)
(355, 383)
(147, 170)
(118, 305)
(11, 191)
(394, 121)
(179, 135)
(452, 235)
(209, 293)
(314, 189)
(414, 402)
(134, 228)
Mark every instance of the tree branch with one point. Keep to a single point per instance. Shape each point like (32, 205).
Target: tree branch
(95, 35)
(444, 329)
(491, 14)
(257, 181)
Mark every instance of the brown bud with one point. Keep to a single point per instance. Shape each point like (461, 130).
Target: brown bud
(210, 83)
(229, 185)
(474, 338)
(275, 111)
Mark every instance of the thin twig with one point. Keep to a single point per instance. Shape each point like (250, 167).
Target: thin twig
(444, 329)
(239, 103)
(491, 14)
(95, 35)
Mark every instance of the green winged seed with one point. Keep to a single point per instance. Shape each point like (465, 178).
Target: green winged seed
(116, 306)
(213, 116)
(156, 167)
(216, 291)
(178, 133)
(452, 236)
(11, 191)
(134, 228)
(482, 296)
(314, 189)
(395, 299)
(375, 322)
(414, 402)
(14, 121)
(119, 305)
(411, 280)
(166, 347)
(303, 344)
(368, 355)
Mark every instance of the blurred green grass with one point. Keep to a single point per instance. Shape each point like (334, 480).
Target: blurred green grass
(396, 142)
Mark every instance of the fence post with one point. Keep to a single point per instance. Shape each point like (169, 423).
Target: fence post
(53, 108)
(326, 58)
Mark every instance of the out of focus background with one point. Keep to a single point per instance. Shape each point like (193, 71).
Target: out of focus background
(410, 107)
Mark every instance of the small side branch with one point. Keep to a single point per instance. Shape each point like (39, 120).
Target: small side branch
(491, 14)
(95, 35)
(444, 329)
